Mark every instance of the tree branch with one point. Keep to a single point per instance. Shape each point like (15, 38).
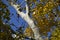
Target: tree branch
(28, 20)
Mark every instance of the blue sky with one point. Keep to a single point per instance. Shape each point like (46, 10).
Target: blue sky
(18, 22)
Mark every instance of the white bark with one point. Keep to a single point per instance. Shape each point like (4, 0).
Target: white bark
(28, 20)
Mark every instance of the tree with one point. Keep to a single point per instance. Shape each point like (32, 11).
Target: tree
(27, 19)
(45, 15)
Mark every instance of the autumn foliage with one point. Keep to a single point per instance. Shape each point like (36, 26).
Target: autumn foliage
(44, 15)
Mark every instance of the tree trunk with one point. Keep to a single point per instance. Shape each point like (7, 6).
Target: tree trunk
(28, 20)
